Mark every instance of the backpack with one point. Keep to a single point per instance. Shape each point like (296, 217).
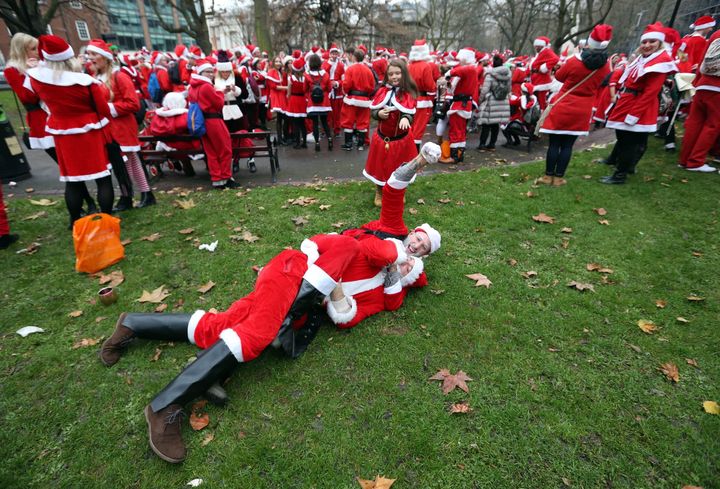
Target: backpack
(499, 89)
(711, 62)
(195, 120)
(532, 115)
(316, 92)
(156, 93)
(174, 74)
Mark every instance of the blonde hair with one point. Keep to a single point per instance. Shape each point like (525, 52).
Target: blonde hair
(18, 50)
(72, 64)
(107, 75)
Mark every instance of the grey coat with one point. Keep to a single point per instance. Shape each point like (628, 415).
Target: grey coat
(493, 111)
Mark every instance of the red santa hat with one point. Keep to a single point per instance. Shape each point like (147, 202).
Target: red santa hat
(298, 64)
(325, 55)
(432, 234)
(380, 50)
(251, 48)
(334, 48)
(362, 48)
(672, 36)
(315, 49)
(703, 23)
(181, 50)
(541, 41)
(403, 55)
(654, 31)
(243, 58)
(466, 55)
(296, 54)
(195, 52)
(130, 60)
(98, 46)
(600, 36)
(54, 48)
(203, 64)
(528, 88)
(419, 51)
(390, 51)
(223, 61)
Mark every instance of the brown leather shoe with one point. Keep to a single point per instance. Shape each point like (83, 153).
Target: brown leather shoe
(558, 181)
(544, 180)
(164, 433)
(113, 347)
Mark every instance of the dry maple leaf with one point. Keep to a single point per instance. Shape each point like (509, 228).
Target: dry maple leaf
(421, 201)
(581, 286)
(413, 211)
(529, 274)
(32, 217)
(480, 280)
(460, 408)
(112, 279)
(161, 307)
(542, 217)
(681, 319)
(711, 407)
(152, 237)
(596, 267)
(126, 242)
(156, 355)
(85, 342)
(186, 231)
(199, 422)
(249, 237)
(444, 201)
(380, 482)
(440, 375)
(671, 371)
(530, 194)
(647, 326)
(457, 380)
(600, 211)
(512, 262)
(604, 222)
(206, 288)
(43, 202)
(692, 362)
(185, 204)
(75, 314)
(300, 220)
(100, 319)
(156, 296)
(208, 438)
(324, 207)
(660, 304)
(337, 225)
(566, 230)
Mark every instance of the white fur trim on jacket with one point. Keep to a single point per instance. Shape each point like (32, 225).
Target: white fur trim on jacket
(85, 178)
(346, 314)
(401, 254)
(61, 79)
(395, 288)
(310, 248)
(634, 128)
(90, 126)
(357, 102)
(113, 110)
(390, 98)
(42, 143)
(359, 286)
(234, 344)
(424, 104)
(192, 325)
(373, 179)
(319, 279)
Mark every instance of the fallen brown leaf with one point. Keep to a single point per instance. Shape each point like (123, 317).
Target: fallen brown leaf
(156, 296)
(43, 202)
(600, 211)
(421, 201)
(186, 231)
(444, 201)
(460, 408)
(199, 422)
(660, 304)
(581, 286)
(529, 274)
(604, 222)
(681, 319)
(697, 254)
(450, 381)
(565, 243)
(647, 326)
(413, 211)
(695, 298)
(530, 194)
(156, 355)
(100, 319)
(300, 220)
(75, 314)
(37, 215)
(324, 207)
(596, 267)
(207, 439)
(671, 371)
(185, 204)
(152, 237)
(379, 483)
(112, 279)
(636, 349)
(249, 237)
(512, 262)
(206, 288)
(86, 342)
(566, 230)
(692, 362)
(711, 407)
(544, 218)
(126, 242)
(480, 280)
(161, 307)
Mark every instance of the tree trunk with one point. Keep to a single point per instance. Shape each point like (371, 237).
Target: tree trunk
(262, 30)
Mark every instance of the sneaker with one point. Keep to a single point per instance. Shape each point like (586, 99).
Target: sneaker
(703, 169)
(164, 433)
(251, 165)
(232, 184)
(670, 147)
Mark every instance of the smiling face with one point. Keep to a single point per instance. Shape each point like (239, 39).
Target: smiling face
(208, 73)
(649, 46)
(394, 75)
(405, 267)
(417, 243)
(99, 62)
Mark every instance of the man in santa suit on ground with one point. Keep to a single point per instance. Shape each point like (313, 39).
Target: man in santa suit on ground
(335, 70)
(541, 67)
(464, 101)
(358, 85)
(695, 44)
(424, 75)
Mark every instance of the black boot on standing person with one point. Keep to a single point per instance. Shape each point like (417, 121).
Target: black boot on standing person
(348, 145)
(360, 136)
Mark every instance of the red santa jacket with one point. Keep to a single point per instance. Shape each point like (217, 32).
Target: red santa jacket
(35, 113)
(519, 75)
(423, 74)
(380, 66)
(124, 104)
(399, 103)
(163, 79)
(541, 68)
(358, 85)
(694, 46)
(323, 80)
(637, 108)
(521, 104)
(706, 81)
(335, 71)
(465, 91)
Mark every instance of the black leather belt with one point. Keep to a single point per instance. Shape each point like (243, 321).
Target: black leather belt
(31, 107)
(212, 115)
(359, 93)
(631, 91)
(387, 139)
(461, 98)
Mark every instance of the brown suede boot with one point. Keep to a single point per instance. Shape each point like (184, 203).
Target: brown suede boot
(544, 180)
(558, 181)
(378, 196)
(164, 433)
(113, 347)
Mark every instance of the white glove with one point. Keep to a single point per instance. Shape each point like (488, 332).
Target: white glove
(430, 152)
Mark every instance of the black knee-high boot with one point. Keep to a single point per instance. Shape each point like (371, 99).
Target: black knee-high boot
(293, 342)
(140, 325)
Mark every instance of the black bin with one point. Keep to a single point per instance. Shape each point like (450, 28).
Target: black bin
(13, 163)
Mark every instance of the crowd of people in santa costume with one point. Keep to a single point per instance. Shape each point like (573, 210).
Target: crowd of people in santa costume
(98, 101)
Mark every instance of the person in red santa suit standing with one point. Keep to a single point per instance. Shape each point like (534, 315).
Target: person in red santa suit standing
(541, 67)
(581, 76)
(702, 127)
(296, 110)
(464, 101)
(695, 44)
(78, 114)
(335, 69)
(160, 62)
(424, 75)
(635, 115)
(317, 94)
(276, 80)
(285, 289)
(358, 85)
(216, 141)
(392, 143)
(124, 103)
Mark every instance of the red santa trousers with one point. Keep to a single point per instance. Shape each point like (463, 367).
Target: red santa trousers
(218, 149)
(334, 116)
(354, 117)
(702, 129)
(422, 117)
(253, 322)
(542, 98)
(4, 226)
(457, 131)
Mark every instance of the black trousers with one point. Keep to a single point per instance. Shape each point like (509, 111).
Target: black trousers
(489, 129)
(559, 153)
(628, 150)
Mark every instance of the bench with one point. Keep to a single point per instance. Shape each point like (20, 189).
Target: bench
(154, 158)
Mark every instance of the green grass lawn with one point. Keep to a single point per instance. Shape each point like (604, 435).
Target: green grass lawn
(566, 389)
(7, 101)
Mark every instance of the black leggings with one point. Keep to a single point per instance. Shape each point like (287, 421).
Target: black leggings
(629, 149)
(316, 125)
(75, 192)
(492, 130)
(52, 153)
(299, 130)
(559, 153)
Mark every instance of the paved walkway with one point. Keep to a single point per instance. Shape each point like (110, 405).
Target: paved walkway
(304, 165)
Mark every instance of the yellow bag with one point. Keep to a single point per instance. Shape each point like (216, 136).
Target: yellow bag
(97, 242)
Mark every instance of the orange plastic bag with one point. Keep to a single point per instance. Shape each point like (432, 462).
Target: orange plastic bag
(97, 242)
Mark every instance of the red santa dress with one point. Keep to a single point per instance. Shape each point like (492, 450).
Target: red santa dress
(124, 104)
(78, 114)
(278, 96)
(297, 103)
(336, 71)
(571, 115)
(390, 146)
(35, 116)
(540, 69)
(603, 100)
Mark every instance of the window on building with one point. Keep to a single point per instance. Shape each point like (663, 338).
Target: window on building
(76, 4)
(82, 30)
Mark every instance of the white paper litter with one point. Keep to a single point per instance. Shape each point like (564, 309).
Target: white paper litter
(29, 330)
(12, 184)
(210, 247)
(195, 482)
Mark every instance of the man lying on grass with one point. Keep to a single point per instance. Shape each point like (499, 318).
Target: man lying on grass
(285, 290)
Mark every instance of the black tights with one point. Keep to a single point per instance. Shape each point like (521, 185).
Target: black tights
(52, 153)
(629, 149)
(489, 129)
(559, 153)
(316, 125)
(299, 130)
(75, 191)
